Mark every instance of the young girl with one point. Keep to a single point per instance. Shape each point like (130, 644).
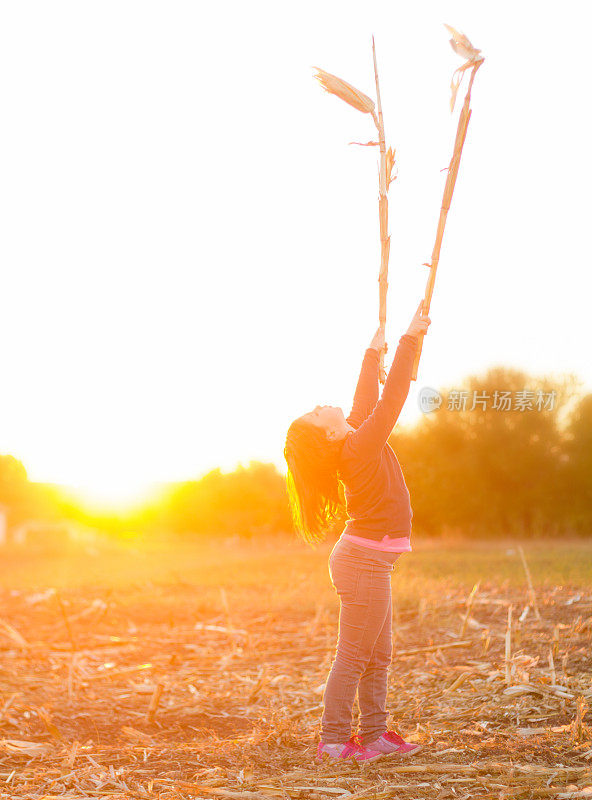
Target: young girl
(324, 450)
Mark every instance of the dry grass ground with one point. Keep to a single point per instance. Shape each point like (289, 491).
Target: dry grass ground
(169, 670)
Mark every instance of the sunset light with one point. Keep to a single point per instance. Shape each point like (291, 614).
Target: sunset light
(118, 496)
(169, 309)
(296, 400)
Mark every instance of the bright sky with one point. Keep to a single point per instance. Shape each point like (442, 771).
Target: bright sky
(190, 247)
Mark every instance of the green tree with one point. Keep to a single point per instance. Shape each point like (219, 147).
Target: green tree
(577, 466)
(247, 501)
(483, 469)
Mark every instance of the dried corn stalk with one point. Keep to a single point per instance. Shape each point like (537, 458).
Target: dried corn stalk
(362, 102)
(462, 46)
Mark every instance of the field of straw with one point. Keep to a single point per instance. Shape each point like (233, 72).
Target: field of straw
(175, 670)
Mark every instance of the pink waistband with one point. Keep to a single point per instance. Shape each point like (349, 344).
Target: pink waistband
(400, 545)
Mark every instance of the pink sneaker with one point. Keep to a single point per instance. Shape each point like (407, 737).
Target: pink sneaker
(353, 748)
(390, 742)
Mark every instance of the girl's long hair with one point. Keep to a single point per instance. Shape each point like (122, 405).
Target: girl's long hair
(315, 492)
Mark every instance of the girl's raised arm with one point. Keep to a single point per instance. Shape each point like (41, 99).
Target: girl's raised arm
(372, 434)
(366, 394)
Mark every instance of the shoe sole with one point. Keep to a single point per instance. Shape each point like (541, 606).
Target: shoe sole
(336, 759)
(407, 754)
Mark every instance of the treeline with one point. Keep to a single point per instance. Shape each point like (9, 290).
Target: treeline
(20, 499)
(248, 501)
(486, 470)
(506, 455)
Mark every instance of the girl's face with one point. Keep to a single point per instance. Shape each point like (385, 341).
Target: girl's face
(327, 417)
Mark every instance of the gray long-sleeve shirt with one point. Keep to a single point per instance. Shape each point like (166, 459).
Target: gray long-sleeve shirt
(377, 498)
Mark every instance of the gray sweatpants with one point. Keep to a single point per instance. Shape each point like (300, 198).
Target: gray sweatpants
(362, 578)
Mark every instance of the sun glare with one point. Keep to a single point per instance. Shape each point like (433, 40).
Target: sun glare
(112, 497)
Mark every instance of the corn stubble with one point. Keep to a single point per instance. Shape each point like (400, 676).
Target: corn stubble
(175, 695)
(463, 47)
(360, 101)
